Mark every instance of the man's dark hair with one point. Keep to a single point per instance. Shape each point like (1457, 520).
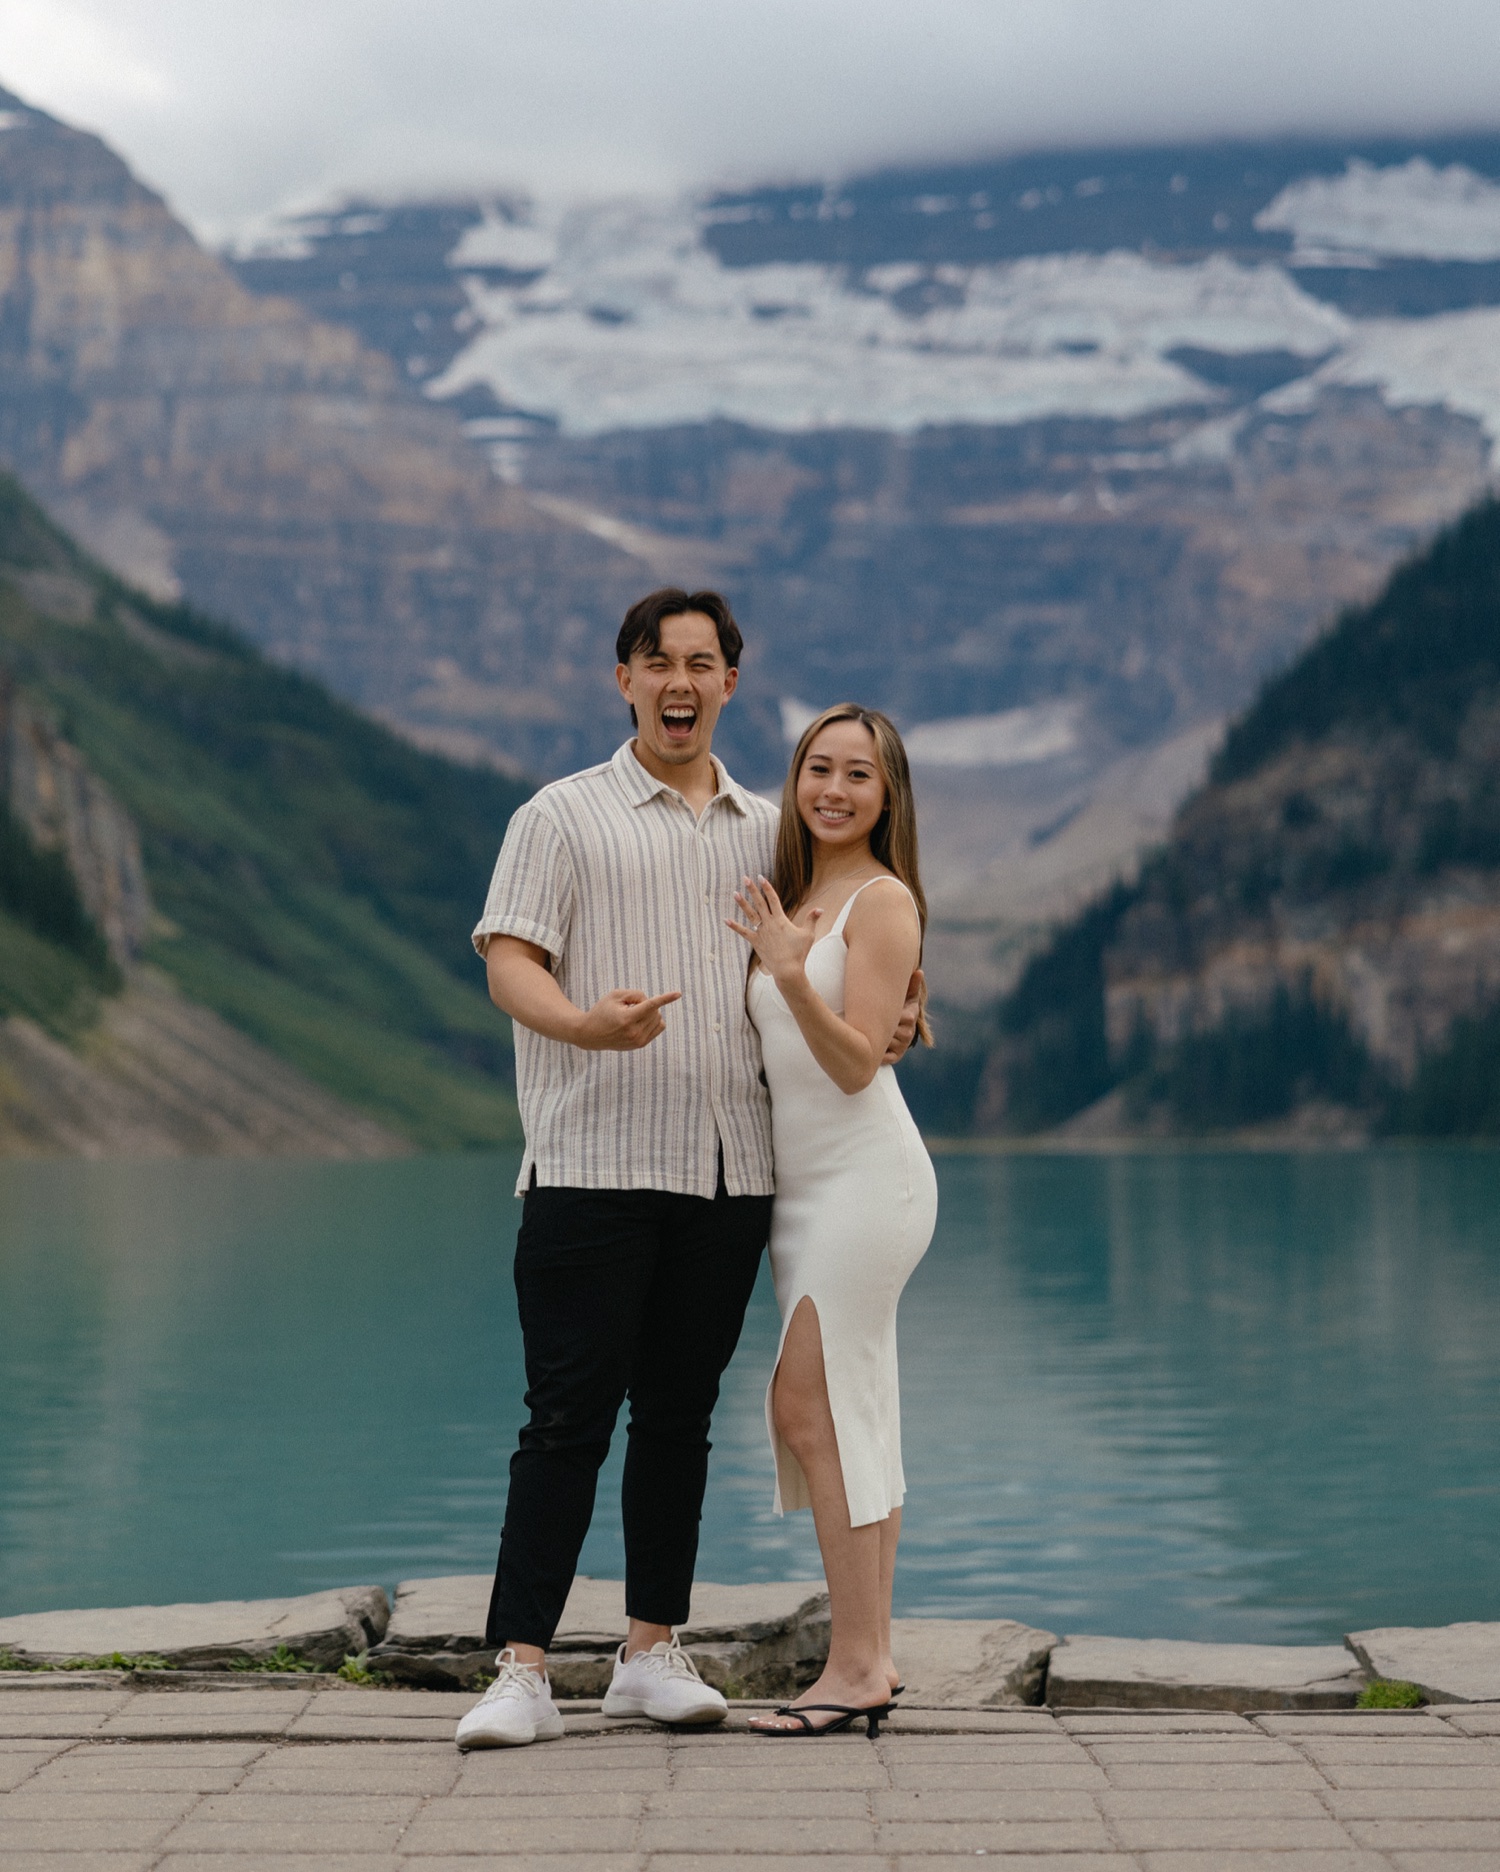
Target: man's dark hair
(643, 621)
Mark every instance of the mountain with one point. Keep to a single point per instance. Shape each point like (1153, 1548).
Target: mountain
(217, 444)
(1318, 945)
(1055, 457)
(234, 913)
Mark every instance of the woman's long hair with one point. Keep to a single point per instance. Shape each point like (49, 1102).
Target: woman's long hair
(893, 842)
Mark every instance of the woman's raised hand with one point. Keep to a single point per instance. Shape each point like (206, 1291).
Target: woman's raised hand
(782, 947)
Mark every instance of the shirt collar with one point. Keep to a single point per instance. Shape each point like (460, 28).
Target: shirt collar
(640, 786)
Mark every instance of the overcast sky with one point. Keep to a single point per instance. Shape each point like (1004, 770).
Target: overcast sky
(238, 108)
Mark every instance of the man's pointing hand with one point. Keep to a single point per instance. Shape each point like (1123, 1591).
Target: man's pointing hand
(624, 1020)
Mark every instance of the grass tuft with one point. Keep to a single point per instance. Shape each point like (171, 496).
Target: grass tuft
(113, 1660)
(281, 1659)
(356, 1670)
(1390, 1693)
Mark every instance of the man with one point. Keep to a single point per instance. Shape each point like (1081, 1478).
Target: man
(647, 1176)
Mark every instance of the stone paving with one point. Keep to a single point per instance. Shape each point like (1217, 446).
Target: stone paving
(108, 1778)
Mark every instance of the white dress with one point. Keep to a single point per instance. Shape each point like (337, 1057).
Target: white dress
(856, 1200)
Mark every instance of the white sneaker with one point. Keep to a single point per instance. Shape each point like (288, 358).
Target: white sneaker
(516, 1709)
(662, 1684)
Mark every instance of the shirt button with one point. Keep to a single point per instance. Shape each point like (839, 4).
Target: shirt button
(718, 1027)
(713, 955)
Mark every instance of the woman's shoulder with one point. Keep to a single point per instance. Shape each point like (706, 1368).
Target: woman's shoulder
(868, 891)
(875, 909)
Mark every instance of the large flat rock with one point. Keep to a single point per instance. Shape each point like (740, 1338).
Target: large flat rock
(324, 1627)
(1451, 1663)
(970, 1663)
(758, 1640)
(1160, 1673)
(450, 1613)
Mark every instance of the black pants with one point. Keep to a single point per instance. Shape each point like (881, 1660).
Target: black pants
(623, 1293)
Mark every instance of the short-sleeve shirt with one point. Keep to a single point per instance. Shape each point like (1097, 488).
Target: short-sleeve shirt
(612, 873)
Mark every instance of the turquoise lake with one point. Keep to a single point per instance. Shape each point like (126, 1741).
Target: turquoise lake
(1183, 1395)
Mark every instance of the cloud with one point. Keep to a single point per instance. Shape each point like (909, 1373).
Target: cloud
(244, 106)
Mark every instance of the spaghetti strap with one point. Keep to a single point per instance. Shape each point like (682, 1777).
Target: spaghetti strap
(886, 877)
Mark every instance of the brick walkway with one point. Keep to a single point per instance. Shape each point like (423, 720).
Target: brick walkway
(118, 1780)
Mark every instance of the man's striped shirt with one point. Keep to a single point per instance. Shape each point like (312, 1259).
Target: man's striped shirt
(610, 872)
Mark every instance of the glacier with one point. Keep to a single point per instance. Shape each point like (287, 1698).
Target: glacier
(1411, 210)
(629, 321)
(614, 315)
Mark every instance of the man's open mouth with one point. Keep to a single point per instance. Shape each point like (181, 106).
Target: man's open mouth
(678, 721)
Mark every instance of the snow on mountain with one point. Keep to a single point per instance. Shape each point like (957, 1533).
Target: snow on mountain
(632, 322)
(1451, 360)
(504, 240)
(1011, 738)
(1410, 210)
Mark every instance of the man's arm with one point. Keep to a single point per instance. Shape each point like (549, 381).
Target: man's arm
(906, 1027)
(522, 984)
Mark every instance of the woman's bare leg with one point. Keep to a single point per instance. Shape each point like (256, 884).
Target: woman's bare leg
(859, 1600)
(890, 1535)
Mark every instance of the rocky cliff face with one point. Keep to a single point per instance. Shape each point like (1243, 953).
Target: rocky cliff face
(1323, 928)
(1323, 874)
(64, 806)
(209, 441)
(160, 1076)
(177, 812)
(143, 1071)
(1151, 572)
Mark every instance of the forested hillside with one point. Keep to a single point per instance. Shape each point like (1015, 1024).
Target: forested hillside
(305, 873)
(1320, 938)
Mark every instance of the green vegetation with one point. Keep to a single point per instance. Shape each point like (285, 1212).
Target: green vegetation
(38, 890)
(1255, 1067)
(1390, 1693)
(1358, 775)
(113, 1660)
(1052, 1023)
(356, 1670)
(54, 966)
(1456, 1091)
(281, 1659)
(316, 877)
(940, 1083)
(47, 982)
(1248, 1069)
(1414, 659)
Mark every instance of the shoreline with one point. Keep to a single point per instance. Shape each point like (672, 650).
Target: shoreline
(757, 1642)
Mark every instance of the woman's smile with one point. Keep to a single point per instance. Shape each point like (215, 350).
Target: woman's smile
(840, 794)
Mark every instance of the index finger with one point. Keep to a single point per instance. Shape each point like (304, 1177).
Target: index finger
(661, 1000)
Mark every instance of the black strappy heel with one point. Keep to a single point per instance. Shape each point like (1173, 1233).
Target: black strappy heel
(847, 1717)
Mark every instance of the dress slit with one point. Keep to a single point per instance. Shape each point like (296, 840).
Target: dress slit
(791, 1480)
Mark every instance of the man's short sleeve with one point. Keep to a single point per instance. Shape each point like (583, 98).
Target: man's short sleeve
(532, 890)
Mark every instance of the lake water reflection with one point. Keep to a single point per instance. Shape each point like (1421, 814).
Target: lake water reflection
(1185, 1395)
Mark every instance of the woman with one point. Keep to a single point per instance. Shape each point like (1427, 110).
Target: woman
(836, 939)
